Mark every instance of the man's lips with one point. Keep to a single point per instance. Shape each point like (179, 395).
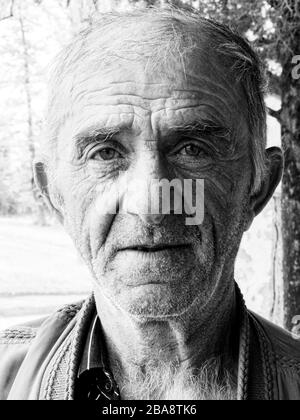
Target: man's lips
(147, 248)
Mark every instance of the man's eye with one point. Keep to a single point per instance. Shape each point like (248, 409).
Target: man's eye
(106, 154)
(191, 150)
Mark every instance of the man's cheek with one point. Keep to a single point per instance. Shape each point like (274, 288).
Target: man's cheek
(220, 220)
(218, 193)
(100, 208)
(79, 197)
(217, 210)
(98, 227)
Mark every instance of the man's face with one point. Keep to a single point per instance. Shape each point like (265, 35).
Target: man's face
(146, 125)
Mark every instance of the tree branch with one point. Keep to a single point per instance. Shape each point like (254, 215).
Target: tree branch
(275, 114)
(11, 11)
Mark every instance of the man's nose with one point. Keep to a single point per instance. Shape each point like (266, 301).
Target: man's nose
(142, 199)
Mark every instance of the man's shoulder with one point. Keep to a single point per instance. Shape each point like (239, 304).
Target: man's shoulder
(285, 345)
(280, 351)
(14, 345)
(16, 341)
(22, 334)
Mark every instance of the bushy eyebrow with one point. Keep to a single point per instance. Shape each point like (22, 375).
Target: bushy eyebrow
(204, 129)
(200, 129)
(94, 134)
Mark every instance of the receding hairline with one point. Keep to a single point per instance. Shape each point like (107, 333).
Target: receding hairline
(146, 34)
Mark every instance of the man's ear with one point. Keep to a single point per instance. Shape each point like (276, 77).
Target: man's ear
(272, 178)
(41, 181)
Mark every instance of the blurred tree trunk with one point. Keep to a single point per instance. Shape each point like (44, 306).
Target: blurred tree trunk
(290, 118)
(277, 307)
(288, 46)
(30, 132)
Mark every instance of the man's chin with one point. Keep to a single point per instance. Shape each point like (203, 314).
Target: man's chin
(154, 300)
(155, 287)
(135, 269)
(152, 297)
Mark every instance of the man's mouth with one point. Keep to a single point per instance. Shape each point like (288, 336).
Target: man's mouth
(156, 248)
(153, 264)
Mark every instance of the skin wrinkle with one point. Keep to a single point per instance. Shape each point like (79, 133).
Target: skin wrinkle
(191, 93)
(155, 109)
(200, 94)
(198, 80)
(162, 108)
(123, 103)
(141, 116)
(224, 85)
(177, 90)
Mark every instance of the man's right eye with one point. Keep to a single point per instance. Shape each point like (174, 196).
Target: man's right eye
(107, 153)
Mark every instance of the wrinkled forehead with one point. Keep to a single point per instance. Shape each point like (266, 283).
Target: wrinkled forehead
(150, 63)
(194, 86)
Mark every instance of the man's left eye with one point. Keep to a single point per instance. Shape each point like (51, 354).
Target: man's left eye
(191, 150)
(106, 154)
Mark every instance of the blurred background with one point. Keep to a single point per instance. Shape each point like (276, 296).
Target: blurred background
(39, 267)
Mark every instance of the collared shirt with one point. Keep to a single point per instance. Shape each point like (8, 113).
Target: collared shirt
(95, 380)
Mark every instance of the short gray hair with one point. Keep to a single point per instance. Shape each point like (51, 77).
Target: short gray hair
(169, 31)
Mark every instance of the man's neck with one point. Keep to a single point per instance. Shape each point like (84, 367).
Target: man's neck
(188, 341)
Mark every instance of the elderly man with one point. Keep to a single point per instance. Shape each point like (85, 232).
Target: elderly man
(142, 96)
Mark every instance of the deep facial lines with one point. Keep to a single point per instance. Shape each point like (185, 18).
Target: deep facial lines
(169, 90)
(152, 104)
